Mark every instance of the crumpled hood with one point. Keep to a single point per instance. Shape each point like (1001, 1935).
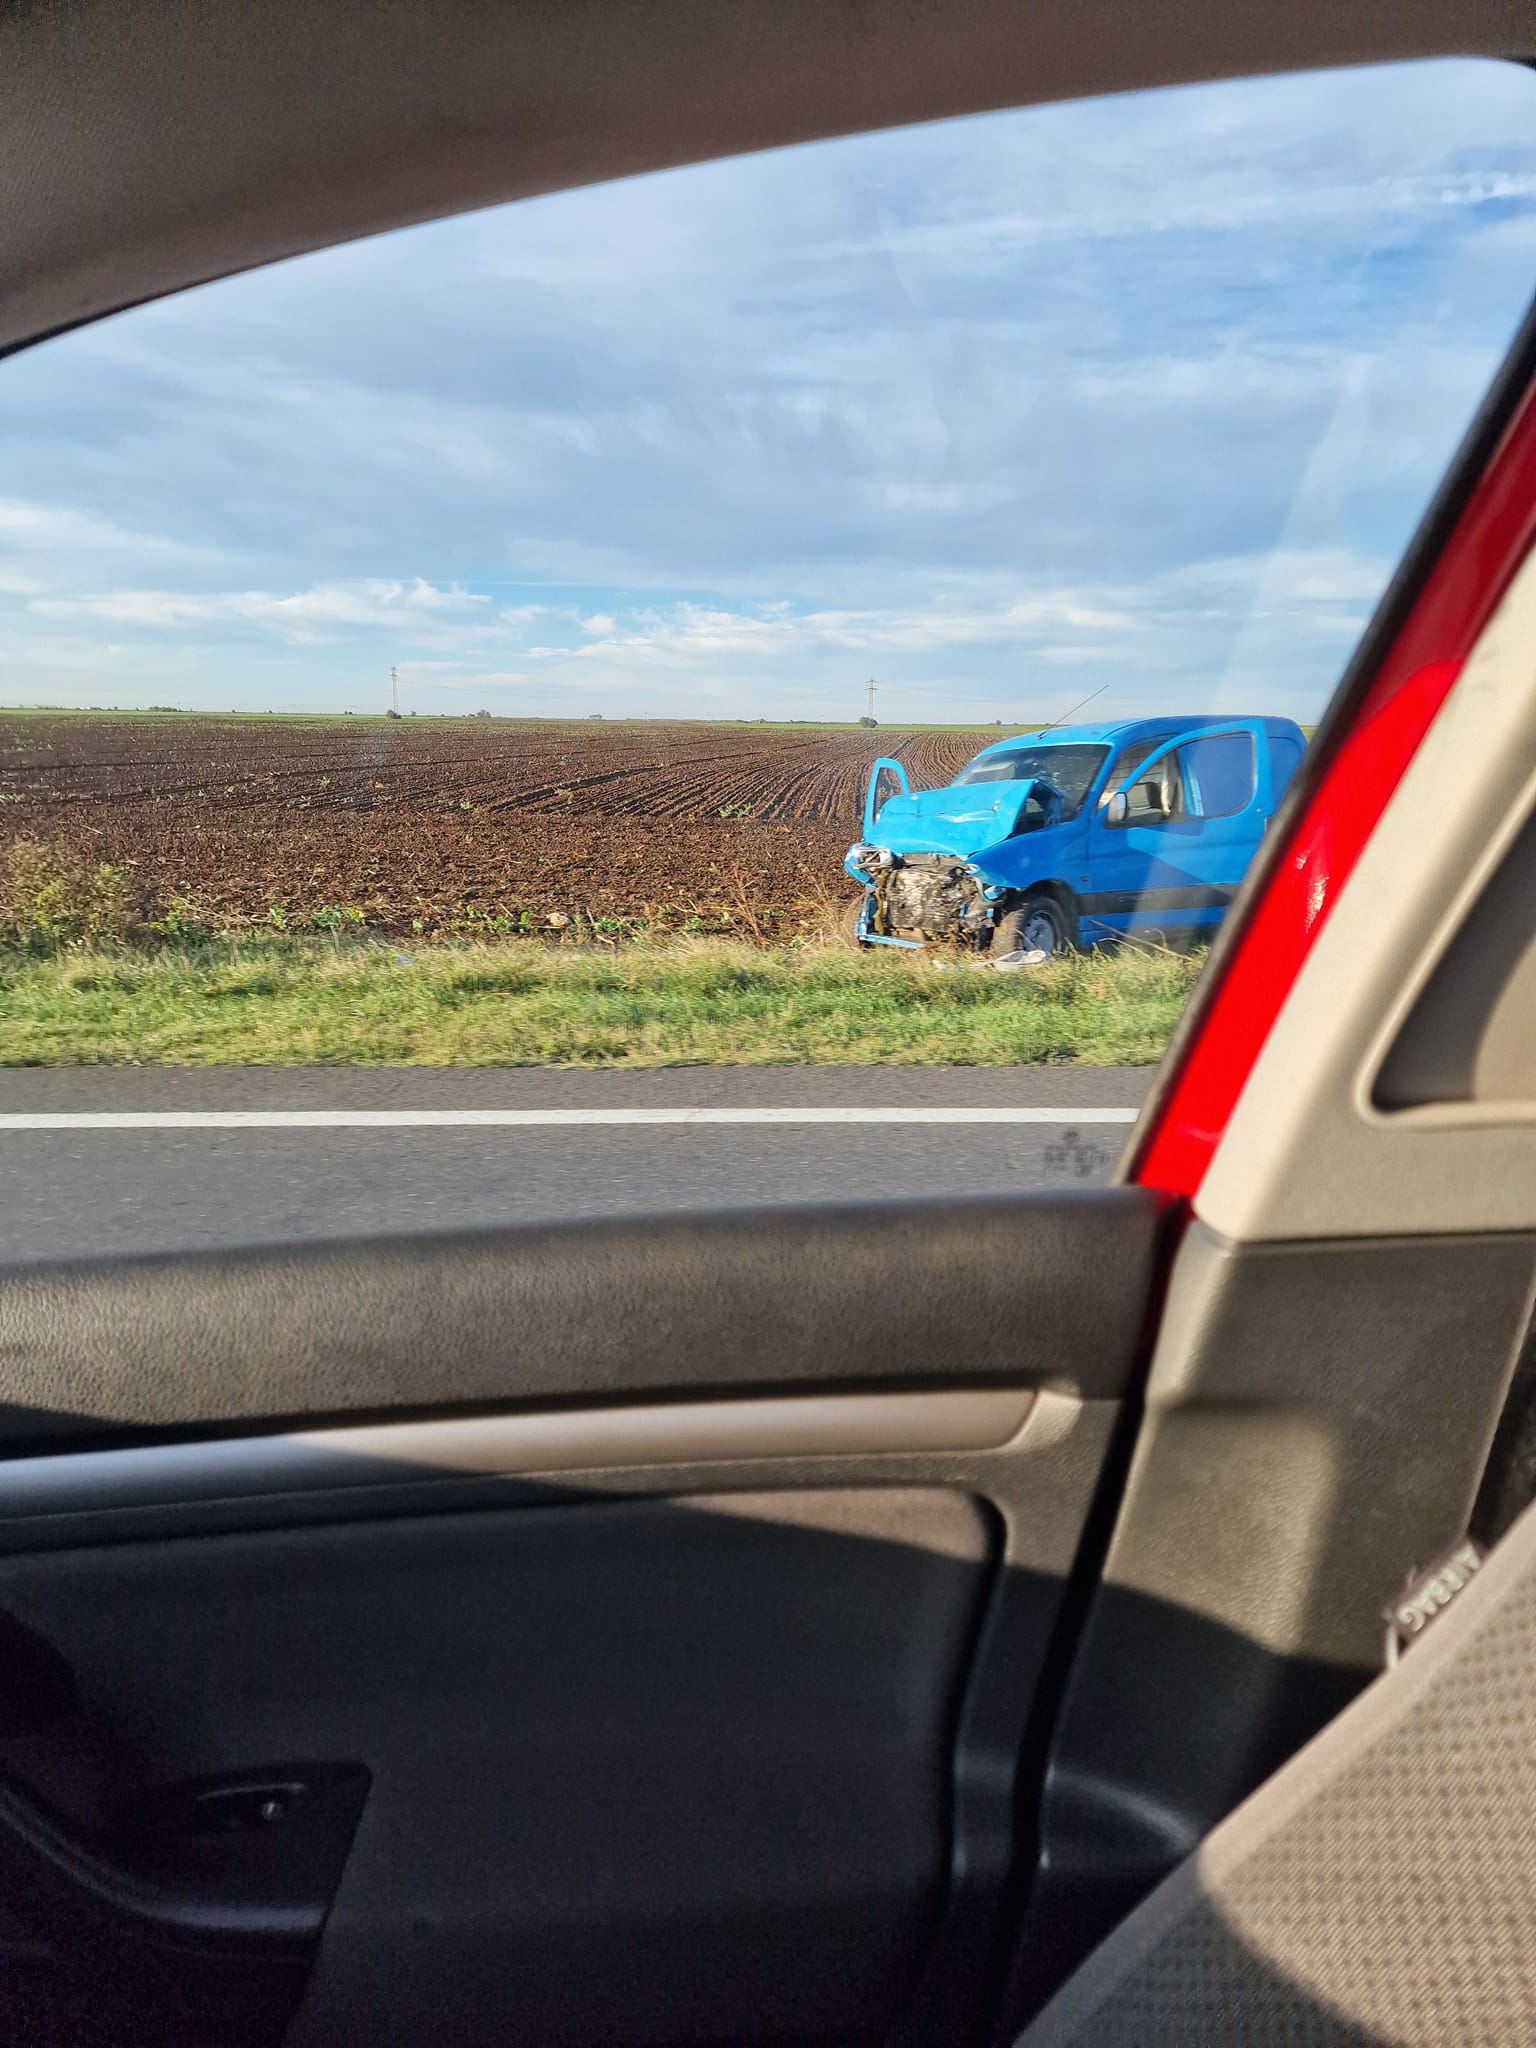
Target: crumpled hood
(962, 821)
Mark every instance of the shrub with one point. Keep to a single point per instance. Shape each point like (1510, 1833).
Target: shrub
(52, 896)
(181, 924)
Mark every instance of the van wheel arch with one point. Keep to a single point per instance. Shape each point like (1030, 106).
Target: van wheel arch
(1018, 927)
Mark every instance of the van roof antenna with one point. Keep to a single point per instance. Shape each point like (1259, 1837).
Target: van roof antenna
(1041, 731)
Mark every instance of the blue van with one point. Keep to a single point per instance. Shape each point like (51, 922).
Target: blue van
(1071, 836)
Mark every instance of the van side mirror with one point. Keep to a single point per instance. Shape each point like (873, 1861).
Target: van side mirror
(1141, 804)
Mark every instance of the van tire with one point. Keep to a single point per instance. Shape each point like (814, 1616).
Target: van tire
(1040, 923)
(848, 922)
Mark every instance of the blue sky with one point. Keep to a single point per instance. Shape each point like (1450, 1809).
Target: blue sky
(1142, 395)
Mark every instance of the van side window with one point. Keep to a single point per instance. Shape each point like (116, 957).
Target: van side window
(1130, 760)
(1164, 777)
(1218, 775)
(1284, 760)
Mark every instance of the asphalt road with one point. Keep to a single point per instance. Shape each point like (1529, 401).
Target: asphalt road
(102, 1161)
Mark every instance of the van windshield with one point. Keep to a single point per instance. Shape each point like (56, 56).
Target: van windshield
(1070, 769)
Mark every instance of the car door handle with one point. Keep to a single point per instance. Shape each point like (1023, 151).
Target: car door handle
(195, 1914)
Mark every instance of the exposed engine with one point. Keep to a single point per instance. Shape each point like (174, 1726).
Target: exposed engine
(929, 896)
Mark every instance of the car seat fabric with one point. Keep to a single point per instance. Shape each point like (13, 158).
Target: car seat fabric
(1380, 1888)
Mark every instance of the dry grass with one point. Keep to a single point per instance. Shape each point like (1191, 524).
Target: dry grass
(296, 1001)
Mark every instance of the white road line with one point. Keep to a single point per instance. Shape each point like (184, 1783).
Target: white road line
(438, 1119)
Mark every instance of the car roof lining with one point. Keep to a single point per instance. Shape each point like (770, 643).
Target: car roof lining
(154, 144)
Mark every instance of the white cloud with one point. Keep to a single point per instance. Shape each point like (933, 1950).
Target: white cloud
(1149, 389)
(1147, 207)
(1286, 579)
(974, 641)
(70, 530)
(1305, 588)
(49, 548)
(306, 616)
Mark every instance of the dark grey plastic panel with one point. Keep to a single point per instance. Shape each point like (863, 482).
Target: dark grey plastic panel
(642, 1771)
(1033, 1459)
(693, 1706)
(1378, 1889)
(1048, 1291)
(1318, 1419)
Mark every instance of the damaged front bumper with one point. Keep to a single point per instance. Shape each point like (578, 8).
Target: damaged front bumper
(916, 899)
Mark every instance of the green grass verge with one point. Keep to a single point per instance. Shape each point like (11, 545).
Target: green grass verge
(306, 1001)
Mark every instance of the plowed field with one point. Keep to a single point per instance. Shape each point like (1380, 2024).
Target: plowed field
(447, 825)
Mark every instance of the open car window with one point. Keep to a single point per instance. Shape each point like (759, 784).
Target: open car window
(444, 674)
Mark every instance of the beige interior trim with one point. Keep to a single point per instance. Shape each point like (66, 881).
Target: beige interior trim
(1463, 1112)
(146, 145)
(1307, 1152)
(706, 1434)
(1377, 1951)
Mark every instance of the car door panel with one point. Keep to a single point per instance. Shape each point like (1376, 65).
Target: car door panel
(731, 1715)
(695, 1718)
(884, 1295)
(601, 1663)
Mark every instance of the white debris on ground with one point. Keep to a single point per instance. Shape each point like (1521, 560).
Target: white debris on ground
(1010, 963)
(1004, 963)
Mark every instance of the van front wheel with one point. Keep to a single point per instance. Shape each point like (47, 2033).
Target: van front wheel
(848, 921)
(1037, 925)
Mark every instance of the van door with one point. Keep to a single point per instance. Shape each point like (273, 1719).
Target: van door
(1169, 844)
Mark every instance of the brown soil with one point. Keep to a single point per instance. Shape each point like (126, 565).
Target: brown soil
(447, 825)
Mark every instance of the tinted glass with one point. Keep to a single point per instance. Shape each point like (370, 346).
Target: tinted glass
(1218, 775)
(1284, 759)
(443, 675)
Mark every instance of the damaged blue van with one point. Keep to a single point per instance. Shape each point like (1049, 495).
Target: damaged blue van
(1071, 836)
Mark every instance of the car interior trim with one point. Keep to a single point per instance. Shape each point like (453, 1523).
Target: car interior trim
(837, 1299)
(1464, 558)
(154, 144)
(1309, 1153)
(488, 1446)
